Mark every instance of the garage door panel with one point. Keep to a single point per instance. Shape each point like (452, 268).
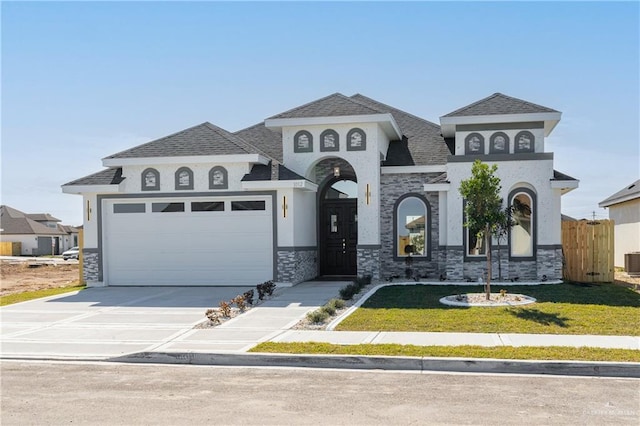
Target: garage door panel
(200, 248)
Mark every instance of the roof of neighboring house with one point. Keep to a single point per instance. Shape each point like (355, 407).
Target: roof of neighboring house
(498, 104)
(203, 139)
(422, 144)
(42, 217)
(111, 176)
(68, 229)
(628, 193)
(566, 218)
(14, 222)
(333, 105)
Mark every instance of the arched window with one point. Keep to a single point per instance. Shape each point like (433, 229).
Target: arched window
(218, 178)
(499, 143)
(412, 225)
(303, 142)
(329, 141)
(356, 140)
(184, 178)
(524, 142)
(150, 180)
(522, 235)
(474, 144)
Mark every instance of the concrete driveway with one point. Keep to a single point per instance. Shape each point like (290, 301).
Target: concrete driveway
(100, 323)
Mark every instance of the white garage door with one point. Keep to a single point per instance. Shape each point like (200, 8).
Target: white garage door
(188, 241)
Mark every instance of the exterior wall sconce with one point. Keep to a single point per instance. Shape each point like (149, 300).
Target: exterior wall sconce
(336, 171)
(367, 194)
(285, 207)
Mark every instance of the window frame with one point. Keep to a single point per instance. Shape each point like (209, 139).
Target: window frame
(296, 137)
(225, 178)
(516, 147)
(363, 143)
(427, 227)
(467, 150)
(144, 173)
(534, 223)
(179, 187)
(492, 140)
(324, 148)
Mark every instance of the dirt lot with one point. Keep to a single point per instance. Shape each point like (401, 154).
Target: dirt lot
(19, 277)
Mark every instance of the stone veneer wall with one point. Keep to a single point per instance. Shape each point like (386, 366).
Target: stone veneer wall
(296, 265)
(369, 262)
(325, 168)
(90, 266)
(392, 187)
(550, 262)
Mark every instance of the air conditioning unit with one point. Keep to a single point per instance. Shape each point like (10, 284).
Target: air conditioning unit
(632, 263)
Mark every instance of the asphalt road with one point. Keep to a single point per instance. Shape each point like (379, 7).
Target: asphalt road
(37, 393)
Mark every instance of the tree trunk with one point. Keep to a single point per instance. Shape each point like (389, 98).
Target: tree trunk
(488, 242)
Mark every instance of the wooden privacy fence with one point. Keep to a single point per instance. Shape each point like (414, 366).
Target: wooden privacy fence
(588, 250)
(8, 248)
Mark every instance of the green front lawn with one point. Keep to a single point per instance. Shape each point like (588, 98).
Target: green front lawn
(603, 309)
(37, 294)
(497, 352)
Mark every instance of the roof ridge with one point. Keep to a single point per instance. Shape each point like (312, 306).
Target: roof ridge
(157, 140)
(473, 104)
(399, 110)
(307, 104)
(521, 102)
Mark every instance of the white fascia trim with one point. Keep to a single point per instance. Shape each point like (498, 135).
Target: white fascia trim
(563, 184)
(191, 159)
(393, 130)
(440, 187)
(551, 119)
(440, 168)
(301, 184)
(83, 189)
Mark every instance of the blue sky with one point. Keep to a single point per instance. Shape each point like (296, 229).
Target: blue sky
(83, 80)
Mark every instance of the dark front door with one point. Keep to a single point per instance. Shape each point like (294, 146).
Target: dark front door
(338, 237)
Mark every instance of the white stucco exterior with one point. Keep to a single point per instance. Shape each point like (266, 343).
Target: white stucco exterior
(626, 217)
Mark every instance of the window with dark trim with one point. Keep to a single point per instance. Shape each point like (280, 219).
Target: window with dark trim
(356, 140)
(207, 206)
(129, 208)
(522, 235)
(303, 142)
(150, 180)
(412, 226)
(167, 207)
(247, 205)
(499, 143)
(524, 142)
(218, 178)
(474, 144)
(329, 141)
(184, 178)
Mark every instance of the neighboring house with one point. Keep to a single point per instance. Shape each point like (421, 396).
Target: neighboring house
(336, 187)
(39, 234)
(71, 238)
(624, 210)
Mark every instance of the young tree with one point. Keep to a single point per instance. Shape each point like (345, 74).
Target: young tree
(483, 206)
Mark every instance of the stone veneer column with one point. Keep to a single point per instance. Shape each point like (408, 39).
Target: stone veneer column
(549, 263)
(296, 265)
(90, 266)
(369, 262)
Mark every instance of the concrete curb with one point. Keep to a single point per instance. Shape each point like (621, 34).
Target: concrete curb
(462, 365)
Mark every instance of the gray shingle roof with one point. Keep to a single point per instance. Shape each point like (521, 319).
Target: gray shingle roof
(629, 192)
(42, 217)
(111, 176)
(424, 144)
(260, 136)
(14, 222)
(499, 104)
(271, 171)
(561, 176)
(330, 106)
(203, 139)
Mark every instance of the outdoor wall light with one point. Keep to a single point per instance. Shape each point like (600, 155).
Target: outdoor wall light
(285, 207)
(336, 171)
(367, 194)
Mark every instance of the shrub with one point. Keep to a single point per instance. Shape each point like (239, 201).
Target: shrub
(248, 296)
(212, 315)
(336, 303)
(317, 317)
(240, 302)
(363, 281)
(266, 288)
(348, 291)
(225, 308)
(329, 309)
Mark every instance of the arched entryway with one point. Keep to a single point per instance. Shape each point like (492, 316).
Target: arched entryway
(338, 226)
